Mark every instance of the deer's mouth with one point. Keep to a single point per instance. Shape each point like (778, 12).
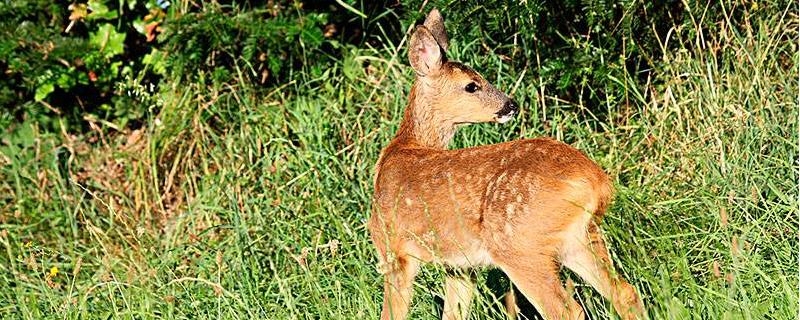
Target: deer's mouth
(510, 108)
(506, 117)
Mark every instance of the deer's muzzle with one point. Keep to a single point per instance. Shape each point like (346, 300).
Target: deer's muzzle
(510, 108)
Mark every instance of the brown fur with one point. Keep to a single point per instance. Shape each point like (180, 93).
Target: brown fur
(526, 206)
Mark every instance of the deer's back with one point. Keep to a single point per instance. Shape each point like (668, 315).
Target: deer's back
(461, 195)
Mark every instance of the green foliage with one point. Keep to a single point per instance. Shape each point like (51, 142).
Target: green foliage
(268, 43)
(575, 48)
(67, 57)
(71, 58)
(580, 49)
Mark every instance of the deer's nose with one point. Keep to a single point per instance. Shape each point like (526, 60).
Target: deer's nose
(511, 106)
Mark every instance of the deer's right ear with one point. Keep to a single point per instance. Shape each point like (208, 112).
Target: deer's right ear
(435, 24)
(424, 52)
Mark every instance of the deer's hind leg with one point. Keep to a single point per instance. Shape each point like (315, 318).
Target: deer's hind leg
(535, 274)
(585, 253)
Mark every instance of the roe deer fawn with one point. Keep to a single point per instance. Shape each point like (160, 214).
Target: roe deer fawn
(526, 206)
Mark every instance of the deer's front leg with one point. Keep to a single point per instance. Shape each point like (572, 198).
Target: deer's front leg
(458, 291)
(398, 288)
(510, 301)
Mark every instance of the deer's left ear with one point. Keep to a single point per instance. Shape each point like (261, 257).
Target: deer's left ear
(435, 23)
(424, 52)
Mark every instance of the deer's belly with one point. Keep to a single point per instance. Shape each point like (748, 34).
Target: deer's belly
(468, 254)
(448, 243)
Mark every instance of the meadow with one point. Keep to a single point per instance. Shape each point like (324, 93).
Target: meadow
(229, 200)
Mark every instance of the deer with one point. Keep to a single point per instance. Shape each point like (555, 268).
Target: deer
(527, 207)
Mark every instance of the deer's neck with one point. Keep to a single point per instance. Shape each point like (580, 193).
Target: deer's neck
(420, 126)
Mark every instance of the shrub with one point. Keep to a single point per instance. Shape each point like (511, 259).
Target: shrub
(68, 58)
(581, 49)
(77, 61)
(269, 42)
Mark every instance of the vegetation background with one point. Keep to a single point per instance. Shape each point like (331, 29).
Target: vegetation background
(184, 159)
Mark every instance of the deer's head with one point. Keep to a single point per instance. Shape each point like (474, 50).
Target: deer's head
(449, 93)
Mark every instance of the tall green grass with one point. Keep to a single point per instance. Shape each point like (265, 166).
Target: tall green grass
(230, 204)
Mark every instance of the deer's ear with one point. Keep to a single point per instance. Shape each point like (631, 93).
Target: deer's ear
(424, 52)
(435, 24)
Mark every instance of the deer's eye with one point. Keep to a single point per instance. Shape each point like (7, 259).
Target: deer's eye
(472, 87)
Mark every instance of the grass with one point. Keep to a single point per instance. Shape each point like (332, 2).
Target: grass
(232, 204)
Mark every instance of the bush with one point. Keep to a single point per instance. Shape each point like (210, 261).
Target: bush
(579, 50)
(67, 58)
(77, 61)
(82, 59)
(218, 39)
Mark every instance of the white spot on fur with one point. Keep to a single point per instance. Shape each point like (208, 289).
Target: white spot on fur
(507, 229)
(429, 237)
(509, 209)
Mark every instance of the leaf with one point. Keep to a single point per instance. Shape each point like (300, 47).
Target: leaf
(275, 64)
(351, 9)
(43, 91)
(26, 136)
(65, 81)
(108, 40)
(156, 60)
(312, 37)
(138, 25)
(99, 11)
(351, 68)
(114, 69)
(151, 29)
(78, 11)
